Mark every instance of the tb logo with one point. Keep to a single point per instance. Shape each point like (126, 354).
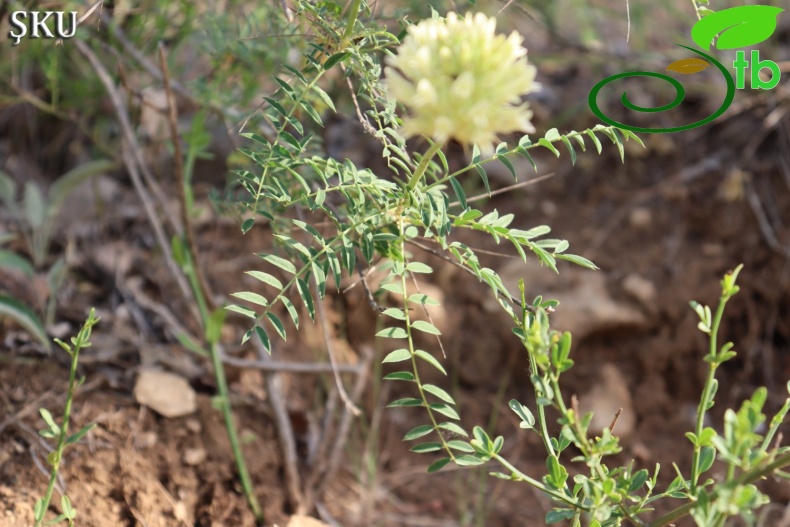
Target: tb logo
(732, 28)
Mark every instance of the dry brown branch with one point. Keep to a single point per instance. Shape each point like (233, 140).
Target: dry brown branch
(505, 189)
(330, 350)
(291, 367)
(133, 159)
(285, 433)
(765, 225)
(181, 183)
(428, 314)
(345, 422)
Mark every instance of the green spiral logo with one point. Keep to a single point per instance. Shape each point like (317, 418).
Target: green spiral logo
(680, 94)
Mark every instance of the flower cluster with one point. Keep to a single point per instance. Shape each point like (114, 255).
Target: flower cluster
(459, 80)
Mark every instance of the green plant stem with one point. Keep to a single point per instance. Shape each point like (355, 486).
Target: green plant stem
(78, 343)
(583, 442)
(544, 430)
(420, 170)
(744, 479)
(707, 392)
(191, 272)
(540, 486)
(777, 420)
(227, 414)
(64, 430)
(696, 9)
(224, 398)
(414, 367)
(267, 163)
(352, 20)
(518, 149)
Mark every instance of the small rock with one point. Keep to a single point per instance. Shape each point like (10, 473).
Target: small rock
(609, 394)
(180, 511)
(305, 521)
(165, 393)
(712, 249)
(586, 307)
(60, 330)
(641, 452)
(640, 289)
(193, 425)
(146, 440)
(194, 456)
(549, 208)
(640, 218)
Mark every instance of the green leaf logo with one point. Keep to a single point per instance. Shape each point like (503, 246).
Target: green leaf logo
(741, 26)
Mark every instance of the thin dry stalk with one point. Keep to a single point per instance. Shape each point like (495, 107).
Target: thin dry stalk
(132, 158)
(345, 421)
(285, 433)
(181, 183)
(290, 367)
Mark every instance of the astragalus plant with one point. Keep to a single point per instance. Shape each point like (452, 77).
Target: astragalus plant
(448, 79)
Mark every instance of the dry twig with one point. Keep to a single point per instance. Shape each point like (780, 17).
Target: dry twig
(285, 433)
(181, 183)
(132, 158)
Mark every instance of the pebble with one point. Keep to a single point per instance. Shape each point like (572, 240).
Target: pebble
(194, 456)
(609, 393)
(305, 521)
(640, 289)
(165, 393)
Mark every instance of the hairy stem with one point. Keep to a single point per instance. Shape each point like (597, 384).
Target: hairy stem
(426, 159)
(230, 426)
(81, 341)
(707, 392)
(745, 479)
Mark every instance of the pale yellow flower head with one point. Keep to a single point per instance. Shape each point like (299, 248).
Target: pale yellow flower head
(460, 80)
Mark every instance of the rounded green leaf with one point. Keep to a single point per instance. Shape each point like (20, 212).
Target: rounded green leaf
(426, 327)
(438, 392)
(445, 410)
(407, 401)
(430, 359)
(266, 278)
(438, 465)
(524, 413)
(399, 376)
(418, 267)
(392, 333)
(419, 298)
(395, 313)
(398, 356)
(418, 432)
(426, 447)
(25, 317)
(468, 461)
(463, 446)
(454, 428)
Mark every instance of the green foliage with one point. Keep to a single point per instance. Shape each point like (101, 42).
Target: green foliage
(25, 317)
(38, 212)
(60, 433)
(331, 218)
(611, 496)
